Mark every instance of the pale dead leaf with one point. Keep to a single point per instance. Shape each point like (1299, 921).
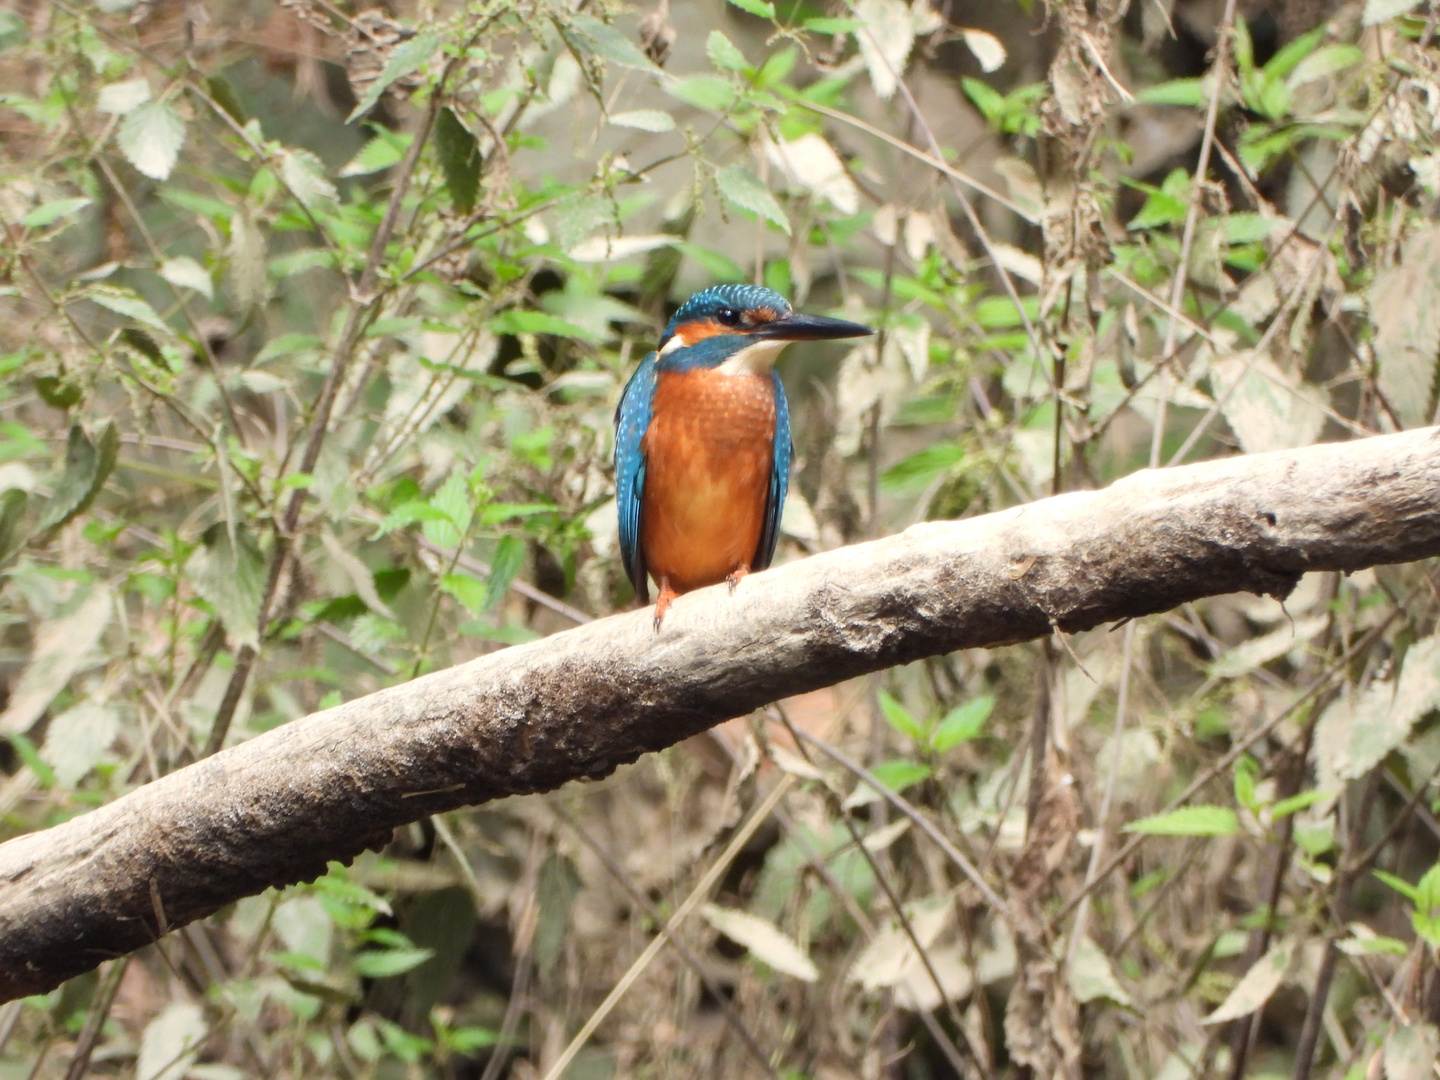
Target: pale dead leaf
(764, 940)
(1255, 988)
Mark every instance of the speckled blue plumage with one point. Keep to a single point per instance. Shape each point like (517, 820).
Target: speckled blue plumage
(707, 302)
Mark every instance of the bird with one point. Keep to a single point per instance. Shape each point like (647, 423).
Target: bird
(702, 442)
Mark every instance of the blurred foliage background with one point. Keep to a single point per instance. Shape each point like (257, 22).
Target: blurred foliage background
(314, 319)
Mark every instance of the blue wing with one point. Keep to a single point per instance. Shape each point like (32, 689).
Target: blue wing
(632, 419)
(784, 450)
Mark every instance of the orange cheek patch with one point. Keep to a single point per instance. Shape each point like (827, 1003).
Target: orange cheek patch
(690, 333)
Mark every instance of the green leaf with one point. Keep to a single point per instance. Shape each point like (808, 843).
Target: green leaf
(1189, 821)
(723, 53)
(1400, 885)
(744, 189)
(185, 273)
(77, 739)
(452, 501)
(405, 59)
(1327, 61)
(51, 212)
(644, 120)
(459, 153)
(922, 467)
(223, 95)
(386, 963)
(151, 137)
(587, 35)
(1186, 92)
(304, 175)
(704, 92)
(537, 322)
(87, 466)
(832, 26)
(228, 571)
(899, 718)
(470, 591)
(126, 302)
(25, 750)
(386, 149)
(895, 775)
(12, 515)
(56, 391)
(504, 565)
(1294, 804)
(721, 267)
(760, 8)
(962, 724)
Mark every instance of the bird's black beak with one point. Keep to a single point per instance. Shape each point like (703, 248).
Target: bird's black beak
(799, 327)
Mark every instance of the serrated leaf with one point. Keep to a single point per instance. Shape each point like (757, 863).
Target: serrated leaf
(247, 258)
(230, 577)
(151, 137)
(711, 92)
(644, 120)
(304, 175)
(87, 466)
(185, 273)
(1266, 407)
(1352, 736)
(459, 153)
(405, 59)
(76, 741)
(123, 97)
(762, 9)
(171, 1042)
(744, 189)
(1407, 334)
(766, 942)
(891, 955)
(588, 35)
(126, 302)
(1091, 976)
(724, 53)
(986, 48)
(1257, 985)
(504, 565)
(61, 647)
(51, 212)
(1189, 821)
(387, 963)
(468, 590)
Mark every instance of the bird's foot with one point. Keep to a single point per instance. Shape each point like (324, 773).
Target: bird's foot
(663, 602)
(733, 578)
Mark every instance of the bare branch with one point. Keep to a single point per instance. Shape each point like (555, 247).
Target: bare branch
(273, 810)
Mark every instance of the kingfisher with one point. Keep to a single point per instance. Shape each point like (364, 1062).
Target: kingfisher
(702, 441)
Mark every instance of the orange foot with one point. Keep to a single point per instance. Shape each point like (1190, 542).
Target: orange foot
(733, 578)
(663, 602)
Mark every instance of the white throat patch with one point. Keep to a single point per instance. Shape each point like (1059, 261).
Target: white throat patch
(756, 359)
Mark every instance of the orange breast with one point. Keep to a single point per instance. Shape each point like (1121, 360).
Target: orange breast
(708, 455)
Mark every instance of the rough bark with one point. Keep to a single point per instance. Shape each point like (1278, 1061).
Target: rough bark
(273, 810)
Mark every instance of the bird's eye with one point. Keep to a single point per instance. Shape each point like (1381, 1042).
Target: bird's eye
(728, 316)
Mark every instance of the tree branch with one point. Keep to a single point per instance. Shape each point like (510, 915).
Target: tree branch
(273, 810)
